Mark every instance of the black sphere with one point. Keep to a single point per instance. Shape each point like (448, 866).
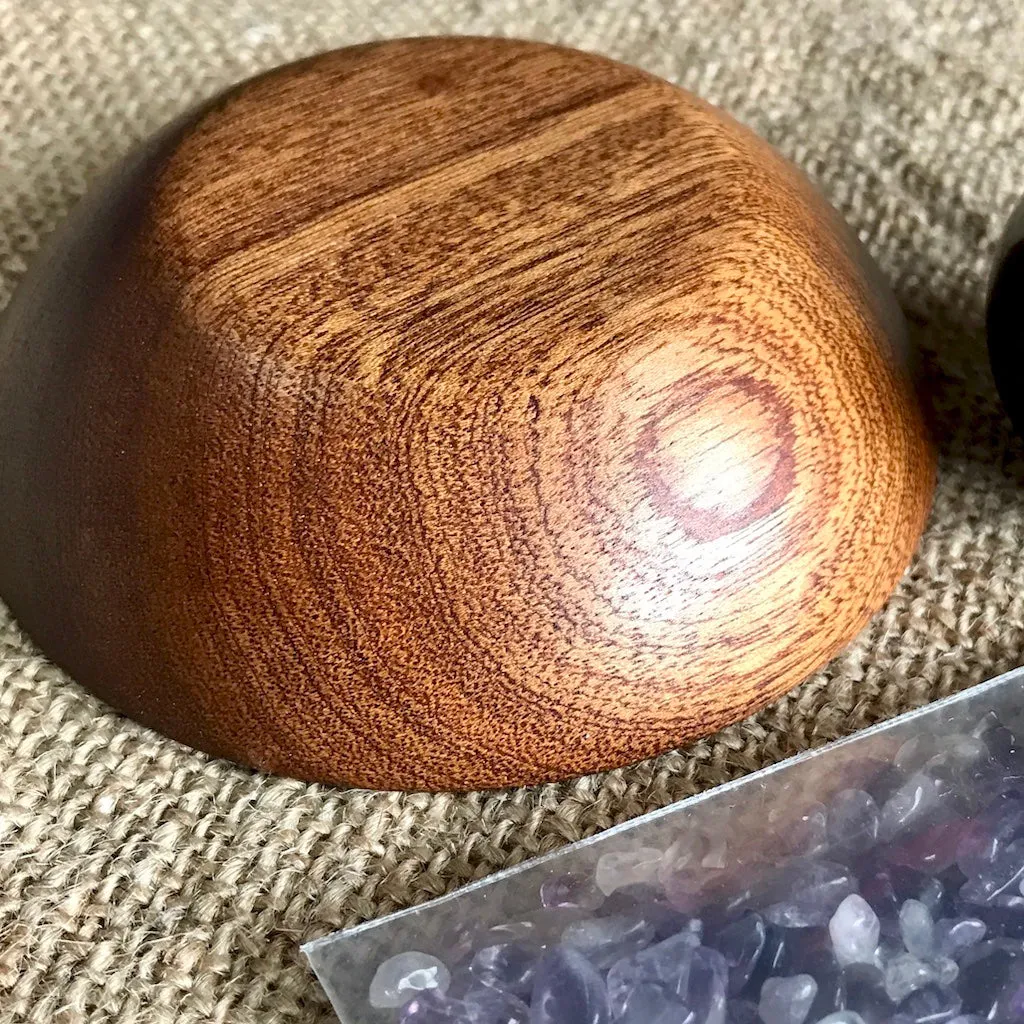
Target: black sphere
(1005, 319)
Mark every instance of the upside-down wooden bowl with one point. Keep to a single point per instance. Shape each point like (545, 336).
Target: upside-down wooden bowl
(453, 413)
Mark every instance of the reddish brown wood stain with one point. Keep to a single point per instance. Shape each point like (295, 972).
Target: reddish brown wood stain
(453, 413)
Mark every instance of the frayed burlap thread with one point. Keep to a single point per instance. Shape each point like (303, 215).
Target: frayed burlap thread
(143, 882)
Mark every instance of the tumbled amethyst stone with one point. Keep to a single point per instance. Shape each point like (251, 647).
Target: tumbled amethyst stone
(1010, 1006)
(906, 973)
(913, 884)
(877, 888)
(787, 1000)
(865, 993)
(691, 979)
(988, 834)
(915, 752)
(1001, 876)
(813, 890)
(628, 867)
(741, 943)
(932, 848)
(568, 989)
(984, 971)
(854, 929)
(741, 1011)
(999, 741)
(506, 965)
(930, 1005)
(705, 997)
(853, 821)
(603, 940)
(917, 928)
(399, 978)
(571, 890)
(685, 868)
(649, 901)
(651, 1004)
(478, 1006)
(777, 945)
(666, 964)
(541, 927)
(831, 995)
(954, 936)
(910, 805)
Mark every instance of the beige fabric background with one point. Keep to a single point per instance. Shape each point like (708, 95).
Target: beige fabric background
(140, 881)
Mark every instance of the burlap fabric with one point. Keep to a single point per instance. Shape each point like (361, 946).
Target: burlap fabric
(140, 881)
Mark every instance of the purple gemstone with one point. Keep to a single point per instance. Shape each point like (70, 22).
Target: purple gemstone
(568, 990)
(984, 971)
(690, 978)
(831, 997)
(933, 848)
(541, 928)
(459, 940)
(773, 957)
(604, 940)
(627, 867)
(787, 1000)
(853, 821)
(629, 897)
(683, 872)
(1003, 918)
(429, 1008)
(885, 780)
(507, 965)
(570, 890)
(1002, 876)
(741, 943)
(911, 805)
(865, 993)
(403, 976)
(741, 1011)
(876, 886)
(489, 1006)
(912, 884)
(988, 835)
(479, 1006)
(651, 1004)
(956, 935)
(649, 902)
(932, 1005)
(917, 928)
(1011, 999)
(915, 752)
(705, 996)
(667, 964)
(802, 836)
(1000, 741)
(810, 892)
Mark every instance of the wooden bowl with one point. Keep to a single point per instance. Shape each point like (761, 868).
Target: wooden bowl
(453, 413)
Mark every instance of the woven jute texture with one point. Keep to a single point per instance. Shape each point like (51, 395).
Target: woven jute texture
(141, 881)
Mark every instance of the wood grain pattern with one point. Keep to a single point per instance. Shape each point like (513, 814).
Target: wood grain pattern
(453, 413)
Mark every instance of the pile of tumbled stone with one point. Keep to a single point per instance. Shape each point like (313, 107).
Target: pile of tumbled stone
(902, 903)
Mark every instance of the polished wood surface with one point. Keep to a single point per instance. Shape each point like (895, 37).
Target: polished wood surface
(453, 413)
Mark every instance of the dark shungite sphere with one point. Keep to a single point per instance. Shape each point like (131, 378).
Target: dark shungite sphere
(1005, 316)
